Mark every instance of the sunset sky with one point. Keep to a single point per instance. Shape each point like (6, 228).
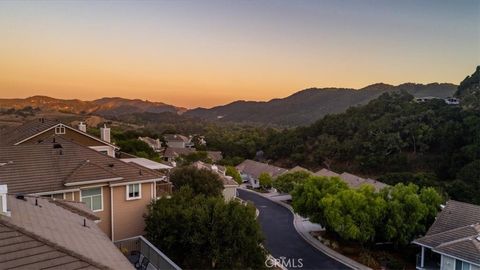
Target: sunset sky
(206, 53)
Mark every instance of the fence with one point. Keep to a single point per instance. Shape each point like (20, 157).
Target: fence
(154, 255)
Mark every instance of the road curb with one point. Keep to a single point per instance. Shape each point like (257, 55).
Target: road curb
(297, 222)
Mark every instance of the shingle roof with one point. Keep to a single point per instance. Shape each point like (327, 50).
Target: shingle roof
(254, 168)
(455, 232)
(43, 168)
(17, 134)
(37, 237)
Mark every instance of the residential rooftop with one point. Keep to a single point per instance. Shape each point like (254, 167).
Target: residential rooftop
(40, 233)
(455, 232)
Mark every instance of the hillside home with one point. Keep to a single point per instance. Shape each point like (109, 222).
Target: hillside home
(171, 154)
(155, 144)
(41, 233)
(251, 170)
(41, 129)
(229, 185)
(117, 192)
(178, 141)
(352, 180)
(453, 240)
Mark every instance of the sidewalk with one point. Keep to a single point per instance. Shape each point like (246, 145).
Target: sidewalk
(304, 227)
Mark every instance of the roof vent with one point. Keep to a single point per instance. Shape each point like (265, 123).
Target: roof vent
(111, 165)
(57, 146)
(478, 237)
(20, 196)
(140, 172)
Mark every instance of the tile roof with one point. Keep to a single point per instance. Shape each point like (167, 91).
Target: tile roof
(455, 232)
(325, 172)
(16, 134)
(299, 169)
(354, 181)
(215, 155)
(176, 138)
(37, 237)
(254, 168)
(174, 152)
(220, 170)
(455, 214)
(49, 165)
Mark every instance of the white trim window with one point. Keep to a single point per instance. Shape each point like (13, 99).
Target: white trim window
(134, 191)
(93, 197)
(60, 129)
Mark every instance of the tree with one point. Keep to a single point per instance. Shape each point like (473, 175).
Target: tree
(199, 232)
(265, 180)
(354, 214)
(232, 171)
(286, 182)
(188, 159)
(410, 211)
(306, 197)
(200, 181)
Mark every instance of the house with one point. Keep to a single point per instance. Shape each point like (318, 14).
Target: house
(178, 141)
(327, 173)
(40, 129)
(299, 169)
(229, 185)
(452, 101)
(453, 240)
(155, 144)
(117, 192)
(352, 180)
(251, 170)
(41, 233)
(171, 154)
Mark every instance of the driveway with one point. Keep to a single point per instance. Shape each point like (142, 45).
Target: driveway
(282, 240)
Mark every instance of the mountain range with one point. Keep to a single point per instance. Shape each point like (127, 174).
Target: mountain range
(301, 108)
(307, 106)
(106, 107)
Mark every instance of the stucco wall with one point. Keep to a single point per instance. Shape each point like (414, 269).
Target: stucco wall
(128, 214)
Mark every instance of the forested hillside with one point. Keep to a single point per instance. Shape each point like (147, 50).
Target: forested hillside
(393, 138)
(307, 106)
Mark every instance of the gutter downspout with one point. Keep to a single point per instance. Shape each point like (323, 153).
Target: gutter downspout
(111, 213)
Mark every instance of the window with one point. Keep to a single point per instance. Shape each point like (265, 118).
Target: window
(60, 130)
(134, 191)
(461, 265)
(93, 198)
(104, 152)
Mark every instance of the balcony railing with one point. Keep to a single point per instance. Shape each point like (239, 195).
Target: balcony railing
(159, 260)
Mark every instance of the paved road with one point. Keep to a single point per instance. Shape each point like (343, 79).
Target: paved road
(282, 240)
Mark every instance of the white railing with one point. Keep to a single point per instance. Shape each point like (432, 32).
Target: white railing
(139, 243)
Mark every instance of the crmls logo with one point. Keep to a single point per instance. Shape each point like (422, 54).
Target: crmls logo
(284, 262)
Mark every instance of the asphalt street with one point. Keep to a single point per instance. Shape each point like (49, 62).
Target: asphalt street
(283, 241)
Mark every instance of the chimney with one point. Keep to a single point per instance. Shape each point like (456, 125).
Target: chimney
(82, 127)
(105, 133)
(214, 168)
(3, 200)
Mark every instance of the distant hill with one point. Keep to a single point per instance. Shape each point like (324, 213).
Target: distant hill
(309, 105)
(469, 91)
(106, 107)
